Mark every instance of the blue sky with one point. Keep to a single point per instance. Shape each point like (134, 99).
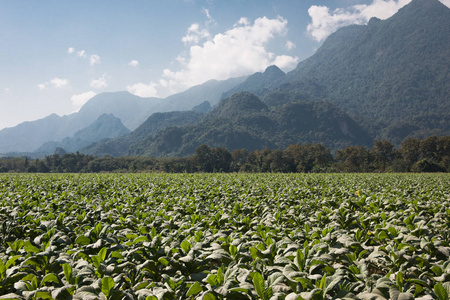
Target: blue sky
(55, 55)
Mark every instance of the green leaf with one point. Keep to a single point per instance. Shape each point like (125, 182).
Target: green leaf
(2, 270)
(151, 297)
(399, 279)
(67, 272)
(43, 295)
(82, 240)
(139, 239)
(440, 291)
(258, 283)
(107, 285)
(102, 253)
(194, 289)
(50, 278)
(209, 296)
(186, 246)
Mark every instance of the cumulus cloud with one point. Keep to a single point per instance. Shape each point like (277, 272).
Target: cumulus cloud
(290, 45)
(56, 82)
(99, 83)
(81, 53)
(133, 63)
(238, 51)
(324, 21)
(79, 100)
(59, 83)
(94, 59)
(143, 90)
(195, 34)
(70, 50)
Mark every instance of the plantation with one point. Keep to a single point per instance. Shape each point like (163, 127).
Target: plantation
(225, 236)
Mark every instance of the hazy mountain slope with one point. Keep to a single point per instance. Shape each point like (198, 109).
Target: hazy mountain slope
(130, 109)
(210, 91)
(106, 126)
(28, 136)
(258, 83)
(156, 122)
(390, 75)
(244, 121)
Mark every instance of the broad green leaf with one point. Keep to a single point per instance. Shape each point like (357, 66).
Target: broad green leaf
(440, 291)
(102, 253)
(50, 278)
(67, 272)
(107, 285)
(209, 296)
(258, 283)
(82, 240)
(186, 246)
(194, 289)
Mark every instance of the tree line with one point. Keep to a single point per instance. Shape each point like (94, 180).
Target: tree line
(413, 155)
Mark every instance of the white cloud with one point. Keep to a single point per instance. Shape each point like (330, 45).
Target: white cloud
(81, 53)
(324, 22)
(99, 83)
(242, 21)
(7, 90)
(80, 99)
(285, 62)
(133, 63)
(290, 45)
(59, 83)
(208, 15)
(94, 59)
(238, 51)
(56, 82)
(143, 90)
(195, 34)
(70, 50)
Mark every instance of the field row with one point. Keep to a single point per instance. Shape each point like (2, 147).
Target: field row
(225, 236)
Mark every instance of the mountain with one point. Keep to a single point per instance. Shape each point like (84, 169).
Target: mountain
(129, 143)
(106, 126)
(210, 91)
(28, 136)
(258, 83)
(244, 121)
(130, 109)
(391, 76)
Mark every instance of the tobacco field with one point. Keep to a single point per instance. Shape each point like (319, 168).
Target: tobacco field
(225, 236)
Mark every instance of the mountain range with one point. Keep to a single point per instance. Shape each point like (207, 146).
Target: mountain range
(388, 79)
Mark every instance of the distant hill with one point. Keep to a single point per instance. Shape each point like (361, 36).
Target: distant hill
(130, 109)
(106, 126)
(131, 143)
(29, 136)
(391, 76)
(244, 121)
(258, 83)
(210, 91)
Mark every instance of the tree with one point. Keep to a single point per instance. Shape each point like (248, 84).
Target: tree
(410, 150)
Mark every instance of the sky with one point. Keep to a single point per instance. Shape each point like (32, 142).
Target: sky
(56, 55)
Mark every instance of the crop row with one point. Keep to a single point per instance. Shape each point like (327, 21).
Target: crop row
(225, 236)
